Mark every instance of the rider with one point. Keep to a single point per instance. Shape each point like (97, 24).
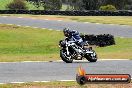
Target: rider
(73, 35)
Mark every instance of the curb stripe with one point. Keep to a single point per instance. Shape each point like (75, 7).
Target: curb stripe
(86, 22)
(62, 61)
(27, 26)
(40, 81)
(97, 23)
(32, 61)
(4, 16)
(20, 17)
(18, 25)
(17, 82)
(35, 27)
(44, 81)
(59, 20)
(9, 24)
(43, 28)
(67, 80)
(50, 29)
(98, 60)
(28, 62)
(2, 83)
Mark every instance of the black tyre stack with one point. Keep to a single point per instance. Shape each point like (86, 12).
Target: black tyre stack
(70, 13)
(101, 40)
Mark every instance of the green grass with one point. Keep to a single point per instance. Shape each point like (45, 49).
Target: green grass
(24, 44)
(39, 85)
(20, 40)
(64, 85)
(126, 20)
(122, 49)
(3, 4)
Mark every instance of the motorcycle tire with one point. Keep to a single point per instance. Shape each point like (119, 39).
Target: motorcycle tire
(65, 58)
(91, 58)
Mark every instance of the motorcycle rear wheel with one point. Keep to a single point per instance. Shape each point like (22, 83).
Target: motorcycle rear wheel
(91, 58)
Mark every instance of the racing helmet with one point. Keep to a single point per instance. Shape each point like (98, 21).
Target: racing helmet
(66, 31)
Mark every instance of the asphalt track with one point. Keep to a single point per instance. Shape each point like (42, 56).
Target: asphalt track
(52, 71)
(90, 28)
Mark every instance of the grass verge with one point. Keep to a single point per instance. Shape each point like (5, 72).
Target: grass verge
(29, 44)
(122, 49)
(64, 85)
(21, 43)
(120, 20)
(126, 20)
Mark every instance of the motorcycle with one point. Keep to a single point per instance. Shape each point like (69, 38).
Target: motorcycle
(70, 51)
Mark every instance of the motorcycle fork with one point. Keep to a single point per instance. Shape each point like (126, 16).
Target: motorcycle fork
(67, 50)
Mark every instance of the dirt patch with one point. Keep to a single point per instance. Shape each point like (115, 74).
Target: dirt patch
(86, 86)
(8, 27)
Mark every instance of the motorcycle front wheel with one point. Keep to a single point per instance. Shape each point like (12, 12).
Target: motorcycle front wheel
(66, 58)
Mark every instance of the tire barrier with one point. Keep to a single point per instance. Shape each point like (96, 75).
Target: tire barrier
(70, 13)
(101, 40)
